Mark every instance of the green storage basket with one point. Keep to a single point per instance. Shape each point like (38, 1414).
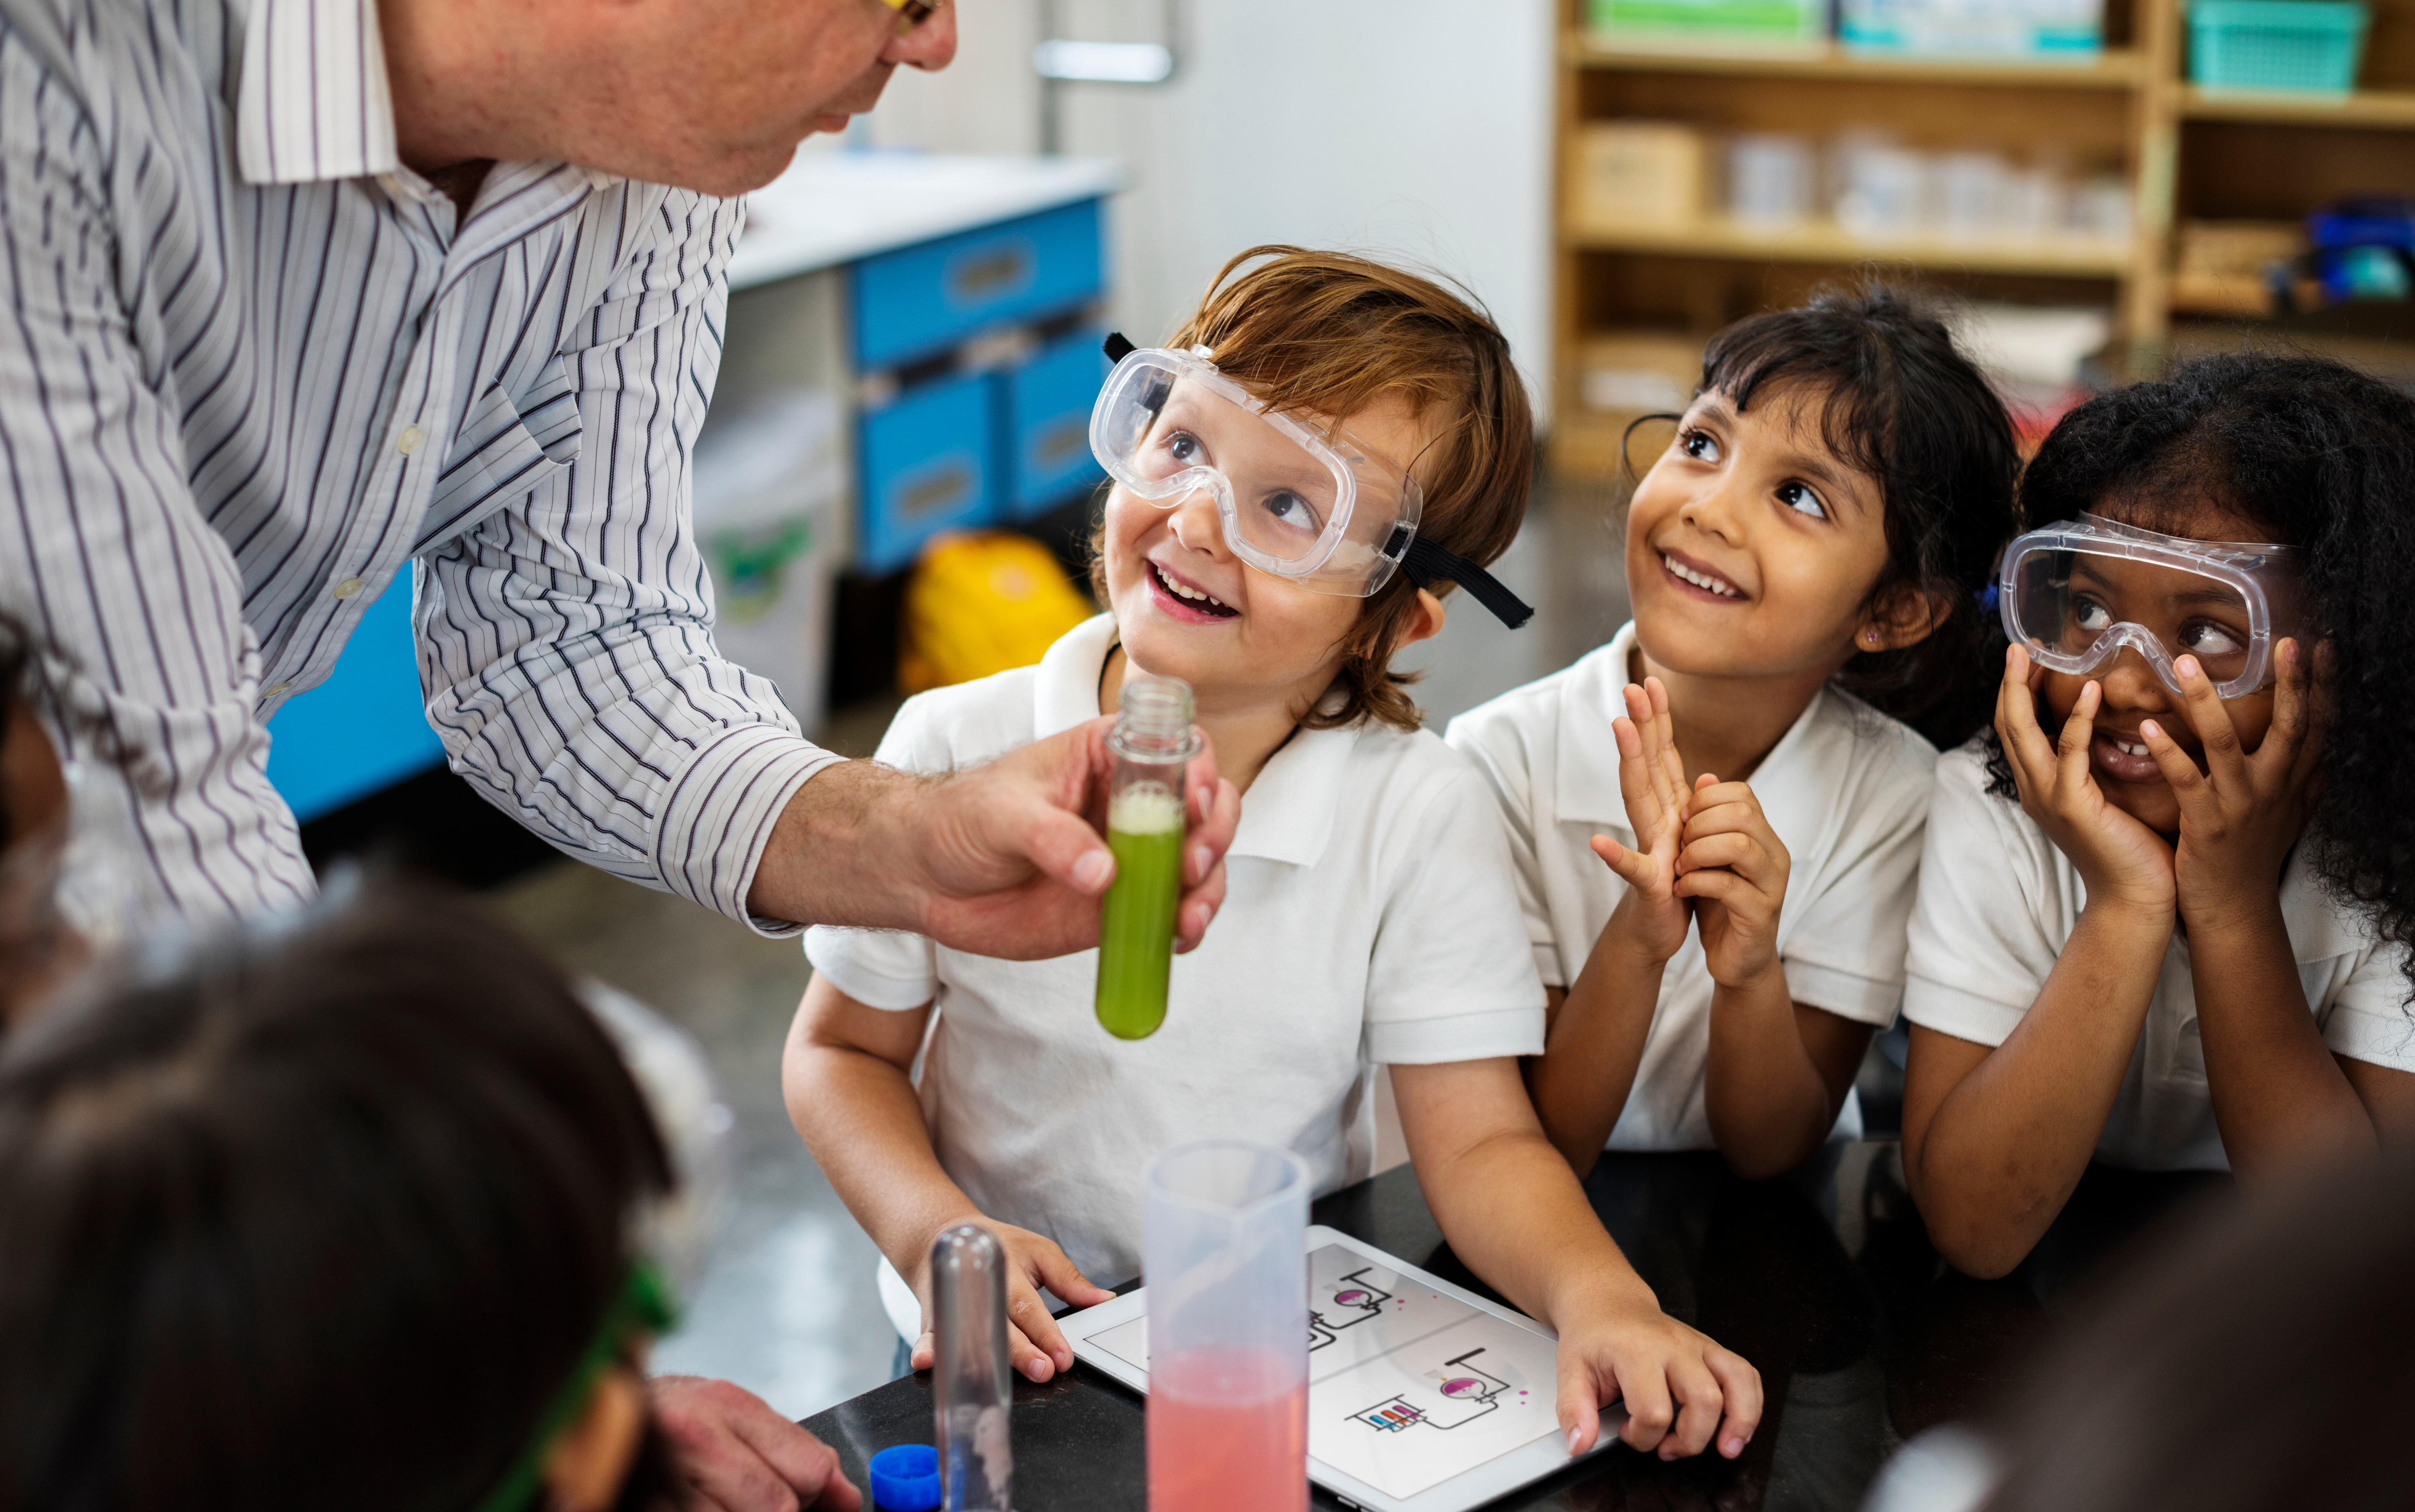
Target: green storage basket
(2310, 45)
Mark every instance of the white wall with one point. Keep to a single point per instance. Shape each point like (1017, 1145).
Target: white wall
(1414, 128)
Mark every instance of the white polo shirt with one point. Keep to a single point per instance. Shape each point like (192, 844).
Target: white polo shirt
(1998, 899)
(1846, 789)
(1369, 918)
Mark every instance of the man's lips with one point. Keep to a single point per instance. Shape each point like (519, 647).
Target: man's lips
(1184, 599)
(1693, 577)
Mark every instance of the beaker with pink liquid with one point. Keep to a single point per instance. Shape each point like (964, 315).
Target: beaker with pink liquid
(1222, 1250)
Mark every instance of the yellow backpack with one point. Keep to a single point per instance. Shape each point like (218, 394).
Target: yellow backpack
(981, 602)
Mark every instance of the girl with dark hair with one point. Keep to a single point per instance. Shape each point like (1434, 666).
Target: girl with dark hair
(1802, 562)
(340, 1215)
(2166, 906)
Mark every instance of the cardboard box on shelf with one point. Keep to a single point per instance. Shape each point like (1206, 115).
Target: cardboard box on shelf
(2227, 267)
(1637, 373)
(1711, 26)
(1630, 173)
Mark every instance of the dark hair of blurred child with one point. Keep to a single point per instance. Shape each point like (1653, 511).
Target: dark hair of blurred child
(336, 1215)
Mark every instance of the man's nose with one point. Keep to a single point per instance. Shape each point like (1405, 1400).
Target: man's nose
(931, 46)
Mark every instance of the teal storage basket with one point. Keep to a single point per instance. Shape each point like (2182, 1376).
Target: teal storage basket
(2309, 45)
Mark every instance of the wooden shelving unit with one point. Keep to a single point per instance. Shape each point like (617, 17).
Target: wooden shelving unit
(2186, 153)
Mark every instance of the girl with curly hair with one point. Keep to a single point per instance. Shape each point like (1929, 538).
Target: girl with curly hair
(2165, 908)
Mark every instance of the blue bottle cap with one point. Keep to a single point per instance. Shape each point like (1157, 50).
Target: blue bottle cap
(905, 1478)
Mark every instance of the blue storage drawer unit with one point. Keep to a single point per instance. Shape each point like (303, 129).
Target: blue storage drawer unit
(921, 300)
(1048, 424)
(363, 729)
(929, 465)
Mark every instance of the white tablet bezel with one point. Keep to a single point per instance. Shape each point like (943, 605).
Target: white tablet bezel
(1474, 1488)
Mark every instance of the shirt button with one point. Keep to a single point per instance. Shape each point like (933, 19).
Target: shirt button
(274, 689)
(348, 587)
(409, 440)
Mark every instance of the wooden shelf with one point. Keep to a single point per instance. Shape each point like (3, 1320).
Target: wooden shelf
(2114, 69)
(2366, 109)
(1819, 241)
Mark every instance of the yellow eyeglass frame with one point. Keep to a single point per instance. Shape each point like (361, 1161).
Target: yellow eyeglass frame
(912, 14)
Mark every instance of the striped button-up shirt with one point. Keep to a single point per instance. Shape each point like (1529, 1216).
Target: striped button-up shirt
(252, 367)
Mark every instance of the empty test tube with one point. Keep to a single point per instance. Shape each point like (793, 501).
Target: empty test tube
(972, 1382)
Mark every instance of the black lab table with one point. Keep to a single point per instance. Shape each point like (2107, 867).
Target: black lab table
(1825, 1280)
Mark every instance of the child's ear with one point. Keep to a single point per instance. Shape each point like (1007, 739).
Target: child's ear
(1905, 615)
(1427, 622)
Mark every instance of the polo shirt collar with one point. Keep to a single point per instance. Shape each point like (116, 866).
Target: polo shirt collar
(1586, 788)
(313, 103)
(1288, 813)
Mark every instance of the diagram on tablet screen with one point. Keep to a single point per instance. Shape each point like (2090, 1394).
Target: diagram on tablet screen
(1408, 1388)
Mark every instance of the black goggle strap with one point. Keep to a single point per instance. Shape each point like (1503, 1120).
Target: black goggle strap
(1425, 562)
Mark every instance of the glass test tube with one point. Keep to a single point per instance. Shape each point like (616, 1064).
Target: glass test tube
(1152, 742)
(972, 1382)
(1224, 1225)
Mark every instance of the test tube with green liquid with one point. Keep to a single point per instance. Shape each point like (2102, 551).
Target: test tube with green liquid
(1152, 742)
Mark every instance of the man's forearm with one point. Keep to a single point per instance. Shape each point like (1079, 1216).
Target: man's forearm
(838, 851)
(2279, 1095)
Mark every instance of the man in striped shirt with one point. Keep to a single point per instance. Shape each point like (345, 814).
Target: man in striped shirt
(301, 295)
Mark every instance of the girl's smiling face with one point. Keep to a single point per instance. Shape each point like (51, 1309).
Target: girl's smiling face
(1185, 607)
(1751, 547)
(2188, 622)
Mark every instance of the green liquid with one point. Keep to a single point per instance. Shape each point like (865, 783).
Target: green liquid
(1136, 916)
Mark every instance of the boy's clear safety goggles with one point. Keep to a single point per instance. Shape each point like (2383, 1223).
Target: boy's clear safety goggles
(1309, 505)
(2079, 590)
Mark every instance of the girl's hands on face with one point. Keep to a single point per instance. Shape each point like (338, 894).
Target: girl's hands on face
(2239, 816)
(1033, 1341)
(1736, 868)
(1652, 780)
(2118, 857)
(1683, 1393)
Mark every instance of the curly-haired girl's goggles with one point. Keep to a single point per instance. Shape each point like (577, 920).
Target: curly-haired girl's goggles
(1310, 504)
(2079, 590)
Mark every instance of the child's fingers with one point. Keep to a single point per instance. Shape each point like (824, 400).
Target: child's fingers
(2226, 761)
(1044, 1341)
(1633, 867)
(925, 1350)
(1649, 1409)
(2188, 784)
(2017, 720)
(1734, 849)
(1032, 1362)
(1739, 1392)
(2293, 729)
(2071, 751)
(1580, 1404)
(1698, 1409)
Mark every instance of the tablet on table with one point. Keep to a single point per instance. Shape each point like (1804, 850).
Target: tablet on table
(1422, 1397)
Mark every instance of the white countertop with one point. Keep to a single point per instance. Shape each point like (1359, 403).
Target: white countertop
(834, 207)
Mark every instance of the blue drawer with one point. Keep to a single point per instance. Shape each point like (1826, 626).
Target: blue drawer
(1048, 402)
(921, 300)
(928, 466)
(366, 727)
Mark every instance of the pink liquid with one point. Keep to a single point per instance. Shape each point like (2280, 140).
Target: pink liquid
(1228, 1433)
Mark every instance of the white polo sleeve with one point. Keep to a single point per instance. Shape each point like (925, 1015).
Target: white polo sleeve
(1452, 976)
(1496, 745)
(2371, 1019)
(1980, 943)
(890, 968)
(1844, 951)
